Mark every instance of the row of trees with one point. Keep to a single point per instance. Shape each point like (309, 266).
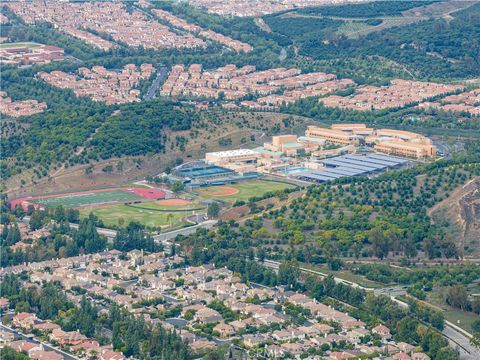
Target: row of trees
(427, 277)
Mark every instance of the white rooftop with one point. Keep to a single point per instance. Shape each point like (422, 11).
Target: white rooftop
(237, 152)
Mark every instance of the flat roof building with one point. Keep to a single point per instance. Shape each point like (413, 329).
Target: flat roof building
(331, 135)
(232, 156)
(409, 149)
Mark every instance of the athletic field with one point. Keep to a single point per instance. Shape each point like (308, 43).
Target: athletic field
(121, 215)
(242, 191)
(87, 199)
(29, 45)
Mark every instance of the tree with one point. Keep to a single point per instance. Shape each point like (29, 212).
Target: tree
(89, 170)
(7, 353)
(108, 169)
(288, 274)
(87, 236)
(36, 220)
(170, 218)
(475, 340)
(380, 242)
(119, 166)
(213, 209)
(13, 235)
(476, 326)
(407, 330)
(457, 297)
(177, 187)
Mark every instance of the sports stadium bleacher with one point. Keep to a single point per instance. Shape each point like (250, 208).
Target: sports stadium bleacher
(200, 173)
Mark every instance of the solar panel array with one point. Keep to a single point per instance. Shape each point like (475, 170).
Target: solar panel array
(351, 165)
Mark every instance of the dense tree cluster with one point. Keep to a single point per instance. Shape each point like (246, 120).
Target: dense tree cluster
(134, 237)
(137, 130)
(431, 49)
(357, 217)
(365, 10)
(62, 241)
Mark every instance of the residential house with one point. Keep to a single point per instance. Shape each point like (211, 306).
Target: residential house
(24, 320)
(207, 315)
(45, 355)
(46, 326)
(254, 340)
(108, 354)
(400, 356)
(383, 331)
(25, 346)
(224, 330)
(67, 338)
(420, 356)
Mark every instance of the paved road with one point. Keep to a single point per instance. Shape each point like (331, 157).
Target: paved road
(153, 89)
(165, 237)
(458, 338)
(48, 347)
(162, 237)
(461, 343)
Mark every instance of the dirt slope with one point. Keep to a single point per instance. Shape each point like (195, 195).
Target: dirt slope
(462, 208)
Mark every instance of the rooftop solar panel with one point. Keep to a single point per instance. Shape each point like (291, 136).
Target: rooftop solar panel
(365, 164)
(367, 160)
(325, 174)
(345, 163)
(347, 171)
(360, 164)
(336, 172)
(389, 158)
(311, 176)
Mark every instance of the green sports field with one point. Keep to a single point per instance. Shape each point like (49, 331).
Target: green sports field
(157, 214)
(29, 45)
(88, 199)
(111, 215)
(152, 205)
(245, 189)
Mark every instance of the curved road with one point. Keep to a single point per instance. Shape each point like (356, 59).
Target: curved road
(457, 337)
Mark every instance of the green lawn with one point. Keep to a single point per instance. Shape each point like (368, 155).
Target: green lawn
(76, 200)
(154, 206)
(461, 318)
(111, 215)
(19, 44)
(246, 189)
(346, 275)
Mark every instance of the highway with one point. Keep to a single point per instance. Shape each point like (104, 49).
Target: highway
(458, 338)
